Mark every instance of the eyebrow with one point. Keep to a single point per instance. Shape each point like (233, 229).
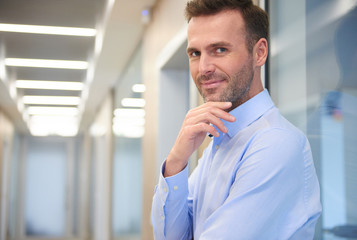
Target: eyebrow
(220, 44)
(212, 45)
(191, 49)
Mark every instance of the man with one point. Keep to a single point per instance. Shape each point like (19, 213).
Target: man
(256, 180)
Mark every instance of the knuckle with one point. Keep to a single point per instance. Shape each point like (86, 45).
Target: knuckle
(187, 130)
(210, 108)
(207, 115)
(202, 126)
(189, 113)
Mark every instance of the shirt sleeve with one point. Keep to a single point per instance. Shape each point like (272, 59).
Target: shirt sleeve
(274, 195)
(171, 210)
(270, 197)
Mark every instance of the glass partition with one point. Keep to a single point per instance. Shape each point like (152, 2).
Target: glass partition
(313, 80)
(45, 195)
(128, 128)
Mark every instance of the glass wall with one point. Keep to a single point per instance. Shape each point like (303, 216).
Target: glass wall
(45, 213)
(44, 196)
(128, 128)
(313, 80)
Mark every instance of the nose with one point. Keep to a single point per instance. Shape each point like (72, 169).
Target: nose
(206, 65)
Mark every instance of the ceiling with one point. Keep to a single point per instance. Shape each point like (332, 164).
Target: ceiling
(119, 26)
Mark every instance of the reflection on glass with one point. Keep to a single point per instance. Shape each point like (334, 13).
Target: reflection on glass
(334, 128)
(313, 72)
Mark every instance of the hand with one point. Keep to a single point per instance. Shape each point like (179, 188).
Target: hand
(197, 124)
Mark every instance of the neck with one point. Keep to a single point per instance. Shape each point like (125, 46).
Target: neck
(255, 88)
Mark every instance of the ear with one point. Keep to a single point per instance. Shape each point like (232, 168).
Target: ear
(260, 52)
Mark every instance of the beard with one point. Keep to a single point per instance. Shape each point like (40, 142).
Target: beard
(237, 89)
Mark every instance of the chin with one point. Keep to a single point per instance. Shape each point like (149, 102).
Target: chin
(212, 99)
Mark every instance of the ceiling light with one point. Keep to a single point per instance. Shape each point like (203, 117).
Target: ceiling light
(51, 100)
(133, 102)
(129, 121)
(45, 63)
(139, 88)
(53, 125)
(50, 85)
(97, 130)
(51, 111)
(71, 31)
(129, 131)
(129, 112)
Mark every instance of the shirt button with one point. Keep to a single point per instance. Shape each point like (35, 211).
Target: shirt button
(162, 217)
(175, 188)
(165, 189)
(216, 147)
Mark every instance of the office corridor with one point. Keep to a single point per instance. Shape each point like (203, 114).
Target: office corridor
(80, 156)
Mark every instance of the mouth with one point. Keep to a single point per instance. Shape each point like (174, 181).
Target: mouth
(209, 84)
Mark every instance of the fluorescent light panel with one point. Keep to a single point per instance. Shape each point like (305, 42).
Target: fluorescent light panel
(53, 125)
(53, 111)
(50, 85)
(51, 100)
(53, 30)
(53, 120)
(139, 88)
(129, 112)
(129, 121)
(45, 63)
(128, 131)
(133, 102)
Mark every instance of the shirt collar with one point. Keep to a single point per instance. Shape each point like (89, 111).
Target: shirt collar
(248, 112)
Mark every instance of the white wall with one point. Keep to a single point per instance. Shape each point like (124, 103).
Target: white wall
(6, 139)
(167, 21)
(102, 137)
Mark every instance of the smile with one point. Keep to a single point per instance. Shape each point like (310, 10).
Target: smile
(212, 83)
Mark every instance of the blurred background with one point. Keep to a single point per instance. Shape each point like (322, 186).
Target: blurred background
(93, 94)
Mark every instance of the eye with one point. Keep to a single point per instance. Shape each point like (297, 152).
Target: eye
(221, 50)
(195, 54)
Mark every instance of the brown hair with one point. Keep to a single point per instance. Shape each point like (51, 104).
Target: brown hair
(256, 20)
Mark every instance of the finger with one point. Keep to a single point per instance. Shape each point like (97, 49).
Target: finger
(212, 131)
(213, 109)
(205, 128)
(222, 114)
(207, 118)
(220, 105)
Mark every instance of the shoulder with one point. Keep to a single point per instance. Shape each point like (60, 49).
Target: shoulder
(273, 128)
(274, 140)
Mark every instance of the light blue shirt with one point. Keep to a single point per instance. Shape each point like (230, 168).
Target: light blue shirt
(258, 181)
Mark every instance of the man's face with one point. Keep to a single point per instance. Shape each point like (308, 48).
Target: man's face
(220, 63)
